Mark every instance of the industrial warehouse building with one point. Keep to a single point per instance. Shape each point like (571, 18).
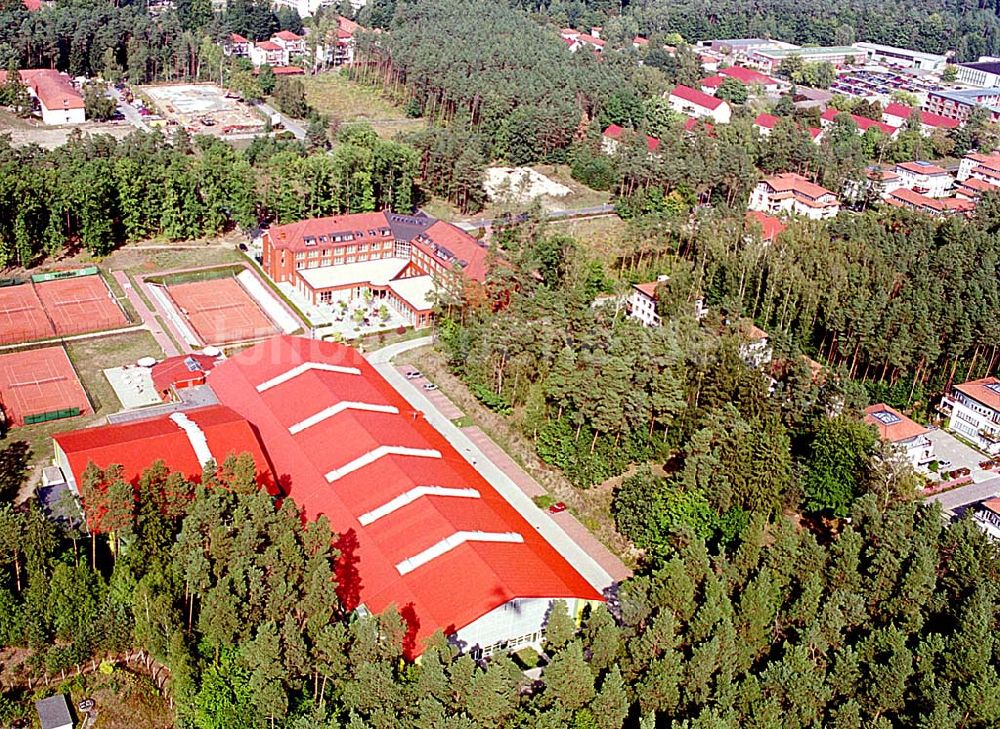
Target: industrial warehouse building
(420, 529)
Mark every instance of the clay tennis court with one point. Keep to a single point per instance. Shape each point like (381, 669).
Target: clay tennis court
(81, 304)
(40, 384)
(221, 311)
(22, 317)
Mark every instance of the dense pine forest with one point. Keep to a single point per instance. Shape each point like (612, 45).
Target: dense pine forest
(98, 193)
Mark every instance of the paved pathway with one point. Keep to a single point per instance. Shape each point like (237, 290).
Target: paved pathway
(971, 493)
(270, 112)
(570, 548)
(449, 409)
(148, 317)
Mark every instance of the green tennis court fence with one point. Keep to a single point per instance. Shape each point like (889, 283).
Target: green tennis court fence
(56, 275)
(51, 415)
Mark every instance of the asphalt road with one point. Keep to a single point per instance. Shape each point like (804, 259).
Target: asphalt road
(968, 494)
(382, 361)
(269, 111)
(550, 214)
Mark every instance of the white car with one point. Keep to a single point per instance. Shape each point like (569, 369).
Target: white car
(430, 386)
(412, 375)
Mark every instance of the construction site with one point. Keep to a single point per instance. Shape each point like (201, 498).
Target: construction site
(204, 109)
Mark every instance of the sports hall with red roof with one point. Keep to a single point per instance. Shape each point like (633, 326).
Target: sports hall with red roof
(420, 528)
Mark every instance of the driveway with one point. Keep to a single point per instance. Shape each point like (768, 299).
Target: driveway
(130, 112)
(286, 121)
(949, 448)
(969, 494)
(576, 554)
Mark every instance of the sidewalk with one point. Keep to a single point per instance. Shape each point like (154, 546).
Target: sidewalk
(147, 316)
(587, 555)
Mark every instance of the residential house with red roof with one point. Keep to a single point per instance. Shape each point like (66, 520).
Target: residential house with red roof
(268, 53)
(974, 188)
(612, 136)
(59, 101)
(293, 43)
(641, 303)
(697, 104)
(792, 194)
(926, 178)
(420, 529)
(746, 76)
(985, 167)
(339, 45)
(406, 260)
(768, 226)
(938, 207)
(863, 123)
(181, 372)
(907, 437)
(897, 115)
(575, 39)
(975, 412)
(236, 45)
(186, 441)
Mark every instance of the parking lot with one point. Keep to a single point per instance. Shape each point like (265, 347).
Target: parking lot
(949, 448)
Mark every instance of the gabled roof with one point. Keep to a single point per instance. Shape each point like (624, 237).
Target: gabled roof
(696, 97)
(183, 368)
(237, 38)
(771, 227)
(796, 183)
(977, 185)
(692, 124)
(348, 25)
(615, 132)
(287, 35)
(766, 121)
(32, 5)
(985, 390)
(136, 445)
(712, 82)
(892, 425)
(990, 161)
(449, 245)
(937, 121)
(362, 226)
(921, 168)
(747, 75)
(269, 46)
(52, 88)
(863, 123)
(899, 110)
(353, 449)
(648, 288)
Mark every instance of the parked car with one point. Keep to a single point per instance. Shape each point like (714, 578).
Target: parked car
(943, 465)
(557, 508)
(430, 386)
(413, 374)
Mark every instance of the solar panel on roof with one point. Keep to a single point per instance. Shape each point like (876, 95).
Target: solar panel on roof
(995, 386)
(192, 364)
(886, 418)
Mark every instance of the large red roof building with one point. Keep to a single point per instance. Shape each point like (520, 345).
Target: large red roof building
(420, 528)
(58, 99)
(185, 441)
(402, 258)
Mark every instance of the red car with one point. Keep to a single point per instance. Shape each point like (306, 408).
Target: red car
(557, 508)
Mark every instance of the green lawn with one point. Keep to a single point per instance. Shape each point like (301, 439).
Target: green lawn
(346, 101)
(90, 357)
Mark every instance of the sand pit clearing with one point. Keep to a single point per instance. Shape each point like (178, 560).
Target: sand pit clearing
(521, 184)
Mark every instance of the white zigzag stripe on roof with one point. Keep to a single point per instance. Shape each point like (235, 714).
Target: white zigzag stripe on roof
(412, 495)
(455, 540)
(303, 368)
(340, 407)
(374, 455)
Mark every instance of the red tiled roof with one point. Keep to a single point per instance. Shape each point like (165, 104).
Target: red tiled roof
(691, 124)
(712, 82)
(980, 391)
(898, 110)
(767, 121)
(640, 41)
(696, 97)
(237, 38)
(269, 46)
(293, 235)
(771, 227)
(32, 5)
(815, 132)
(460, 244)
(137, 445)
(287, 70)
(937, 121)
(906, 195)
(615, 132)
(795, 183)
(176, 371)
(902, 429)
(53, 89)
(747, 75)
(863, 123)
(348, 25)
(925, 168)
(287, 35)
(992, 161)
(648, 288)
(447, 592)
(978, 185)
